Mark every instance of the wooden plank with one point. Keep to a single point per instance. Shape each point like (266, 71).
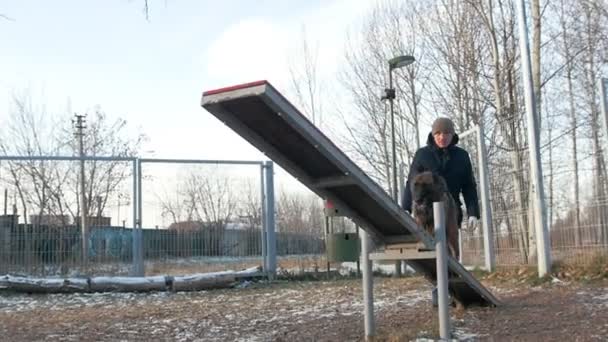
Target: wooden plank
(416, 246)
(405, 255)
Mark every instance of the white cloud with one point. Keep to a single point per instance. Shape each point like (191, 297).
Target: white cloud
(253, 49)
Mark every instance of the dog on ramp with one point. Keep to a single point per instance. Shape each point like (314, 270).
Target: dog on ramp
(428, 187)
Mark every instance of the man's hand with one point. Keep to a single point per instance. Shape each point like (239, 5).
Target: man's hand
(472, 223)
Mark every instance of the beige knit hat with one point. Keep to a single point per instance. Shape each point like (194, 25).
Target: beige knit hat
(444, 125)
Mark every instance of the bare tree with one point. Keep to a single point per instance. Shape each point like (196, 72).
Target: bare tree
(304, 74)
(457, 41)
(291, 212)
(175, 205)
(365, 75)
(104, 179)
(299, 212)
(30, 132)
(250, 202)
(470, 66)
(591, 33)
(211, 197)
(567, 51)
(48, 187)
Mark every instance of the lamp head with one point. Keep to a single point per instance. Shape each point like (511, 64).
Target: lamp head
(400, 61)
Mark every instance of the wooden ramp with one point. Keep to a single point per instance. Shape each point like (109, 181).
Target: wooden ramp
(261, 115)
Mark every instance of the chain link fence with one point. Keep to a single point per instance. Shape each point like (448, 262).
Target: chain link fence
(575, 191)
(194, 217)
(202, 216)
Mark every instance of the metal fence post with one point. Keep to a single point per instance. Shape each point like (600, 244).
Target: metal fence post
(486, 208)
(134, 269)
(138, 262)
(442, 270)
(140, 242)
(271, 243)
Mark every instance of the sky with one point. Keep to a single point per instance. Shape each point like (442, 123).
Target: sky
(152, 72)
(74, 55)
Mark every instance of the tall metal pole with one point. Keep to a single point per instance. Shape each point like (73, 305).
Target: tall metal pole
(391, 98)
(83, 203)
(486, 209)
(542, 231)
(390, 95)
(368, 294)
(442, 270)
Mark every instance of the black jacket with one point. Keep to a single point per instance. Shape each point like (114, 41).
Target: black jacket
(454, 165)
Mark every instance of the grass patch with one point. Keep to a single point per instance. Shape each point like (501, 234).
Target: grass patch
(479, 273)
(315, 276)
(523, 275)
(596, 268)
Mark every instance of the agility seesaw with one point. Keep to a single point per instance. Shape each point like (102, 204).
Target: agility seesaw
(264, 117)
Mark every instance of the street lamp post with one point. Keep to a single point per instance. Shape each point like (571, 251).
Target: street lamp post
(394, 63)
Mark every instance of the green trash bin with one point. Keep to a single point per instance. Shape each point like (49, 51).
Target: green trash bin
(342, 247)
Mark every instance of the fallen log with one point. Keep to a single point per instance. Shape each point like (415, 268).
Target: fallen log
(195, 282)
(128, 284)
(205, 281)
(38, 285)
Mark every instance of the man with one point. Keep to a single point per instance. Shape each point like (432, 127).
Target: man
(442, 156)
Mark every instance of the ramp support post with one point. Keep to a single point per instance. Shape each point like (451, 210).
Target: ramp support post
(368, 286)
(442, 270)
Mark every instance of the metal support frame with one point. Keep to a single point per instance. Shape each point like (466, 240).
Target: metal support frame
(138, 252)
(410, 251)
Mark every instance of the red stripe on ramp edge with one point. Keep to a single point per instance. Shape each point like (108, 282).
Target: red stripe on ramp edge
(235, 87)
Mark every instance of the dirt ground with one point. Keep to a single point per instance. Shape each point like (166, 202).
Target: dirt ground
(317, 310)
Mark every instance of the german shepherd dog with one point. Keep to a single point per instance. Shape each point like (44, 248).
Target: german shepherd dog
(428, 187)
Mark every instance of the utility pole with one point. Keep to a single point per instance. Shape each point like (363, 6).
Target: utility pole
(80, 126)
(543, 246)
